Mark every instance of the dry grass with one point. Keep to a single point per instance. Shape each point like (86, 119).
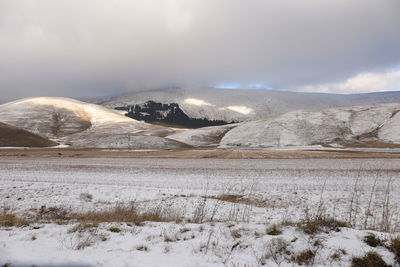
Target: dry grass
(274, 230)
(317, 224)
(239, 199)
(371, 259)
(129, 214)
(394, 247)
(373, 241)
(305, 257)
(54, 214)
(10, 220)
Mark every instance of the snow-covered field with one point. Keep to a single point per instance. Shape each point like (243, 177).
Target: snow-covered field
(225, 206)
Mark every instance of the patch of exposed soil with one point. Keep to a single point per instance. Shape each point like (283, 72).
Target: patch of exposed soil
(11, 136)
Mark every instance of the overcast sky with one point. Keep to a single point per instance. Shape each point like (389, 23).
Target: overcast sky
(83, 48)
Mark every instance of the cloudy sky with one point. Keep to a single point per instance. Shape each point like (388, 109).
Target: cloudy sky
(84, 48)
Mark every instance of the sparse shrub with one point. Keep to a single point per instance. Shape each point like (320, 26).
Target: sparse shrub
(114, 229)
(83, 227)
(317, 243)
(373, 241)
(54, 214)
(168, 238)
(167, 249)
(278, 250)
(318, 224)
(86, 197)
(184, 230)
(84, 235)
(338, 254)
(274, 230)
(306, 257)
(142, 248)
(371, 259)
(394, 246)
(236, 233)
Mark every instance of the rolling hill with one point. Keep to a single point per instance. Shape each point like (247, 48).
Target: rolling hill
(80, 124)
(372, 126)
(244, 105)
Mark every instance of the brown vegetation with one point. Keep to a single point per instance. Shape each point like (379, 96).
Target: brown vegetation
(371, 259)
(394, 246)
(11, 136)
(315, 224)
(9, 220)
(197, 153)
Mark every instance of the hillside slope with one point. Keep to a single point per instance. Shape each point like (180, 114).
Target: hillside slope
(81, 124)
(354, 126)
(246, 105)
(11, 136)
(372, 126)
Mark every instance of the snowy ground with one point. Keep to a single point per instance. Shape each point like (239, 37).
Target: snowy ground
(231, 233)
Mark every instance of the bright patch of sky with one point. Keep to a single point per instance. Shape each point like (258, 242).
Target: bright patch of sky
(361, 83)
(244, 86)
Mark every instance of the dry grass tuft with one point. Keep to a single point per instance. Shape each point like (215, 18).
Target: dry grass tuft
(83, 227)
(373, 241)
(371, 259)
(337, 254)
(305, 257)
(394, 246)
(274, 230)
(129, 214)
(114, 229)
(54, 214)
(240, 199)
(317, 224)
(9, 220)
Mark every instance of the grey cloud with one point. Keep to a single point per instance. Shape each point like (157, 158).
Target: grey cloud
(81, 48)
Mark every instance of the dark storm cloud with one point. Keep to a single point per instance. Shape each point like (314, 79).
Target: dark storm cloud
(80, 48)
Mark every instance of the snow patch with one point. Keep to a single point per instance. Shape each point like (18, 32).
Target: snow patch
(196, 102)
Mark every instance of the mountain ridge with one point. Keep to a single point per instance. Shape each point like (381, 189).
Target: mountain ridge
(246, 105)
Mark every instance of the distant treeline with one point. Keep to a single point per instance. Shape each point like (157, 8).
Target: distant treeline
(166, 114)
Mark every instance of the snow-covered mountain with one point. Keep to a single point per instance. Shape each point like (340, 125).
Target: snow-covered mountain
(246, 105)
(377, 125)
(81, 124)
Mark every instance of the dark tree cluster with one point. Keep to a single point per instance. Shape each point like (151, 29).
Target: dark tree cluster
(168, 114)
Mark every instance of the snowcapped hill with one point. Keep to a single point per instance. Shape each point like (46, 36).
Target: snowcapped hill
(351, 126)
(246, 105)
(56, 117)
(81, 124)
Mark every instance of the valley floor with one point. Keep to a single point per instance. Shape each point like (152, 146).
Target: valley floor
(138, 211)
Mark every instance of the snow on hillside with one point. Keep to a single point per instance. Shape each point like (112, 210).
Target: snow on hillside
(245, 105)
(339, 126)
(206, 136)
(83, 125)
(56, 117)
